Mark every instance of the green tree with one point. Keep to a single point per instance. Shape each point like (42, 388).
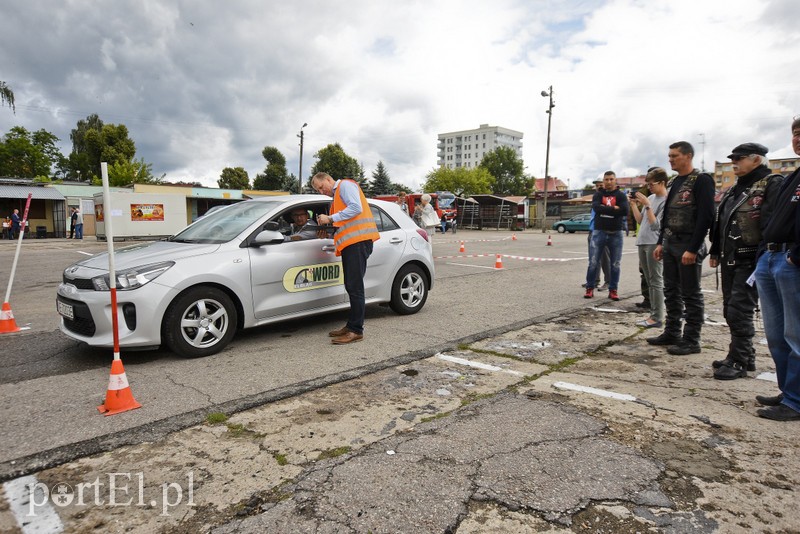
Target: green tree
(335, 161)
(508, 171)
(7, 97)
(461, 181)
(122, 173)
(274, 176)
(111, 144)
(234, 178)
(381, 184)
(27, 155)
(79, 163)
(396, 188)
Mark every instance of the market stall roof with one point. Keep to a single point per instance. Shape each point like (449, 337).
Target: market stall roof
(21, 191)
(491, 200)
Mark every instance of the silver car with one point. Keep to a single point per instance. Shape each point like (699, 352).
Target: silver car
(233, 269)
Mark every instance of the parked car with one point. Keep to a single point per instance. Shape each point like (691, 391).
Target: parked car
(576, 223)
(232, 269)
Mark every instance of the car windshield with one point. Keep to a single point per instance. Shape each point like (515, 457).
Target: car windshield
(223, 225)
(446, 201)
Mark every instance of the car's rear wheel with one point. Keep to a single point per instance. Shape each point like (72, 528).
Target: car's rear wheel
(572, 231)
(200, 322)
(409, 290)
(561, 228)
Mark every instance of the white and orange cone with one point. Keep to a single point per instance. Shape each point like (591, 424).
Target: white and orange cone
(498, 262)
(513, 237)
(119, 397)
(7, 322)
(549, 240)
(462, 247)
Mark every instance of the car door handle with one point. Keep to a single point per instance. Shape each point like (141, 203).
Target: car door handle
(329, 248)
(395, 240)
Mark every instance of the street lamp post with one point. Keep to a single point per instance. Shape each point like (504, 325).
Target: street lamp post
(300, 171)
(548, 93)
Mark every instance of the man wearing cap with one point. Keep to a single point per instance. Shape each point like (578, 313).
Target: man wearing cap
(778, 283)
(741, 216)
(688, 213)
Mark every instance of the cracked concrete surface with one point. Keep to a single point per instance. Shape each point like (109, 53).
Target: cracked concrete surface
(438, 446)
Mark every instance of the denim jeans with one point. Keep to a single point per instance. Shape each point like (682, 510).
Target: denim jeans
(354, 266)
(79, 231)
(599, 242)
(778, 284)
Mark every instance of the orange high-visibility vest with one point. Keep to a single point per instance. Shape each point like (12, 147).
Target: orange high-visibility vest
(359, 228)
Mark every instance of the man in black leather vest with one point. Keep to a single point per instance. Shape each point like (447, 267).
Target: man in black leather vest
(688, 213)
(742, 215)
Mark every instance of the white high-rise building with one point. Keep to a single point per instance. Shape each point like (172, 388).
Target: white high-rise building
(467, 148)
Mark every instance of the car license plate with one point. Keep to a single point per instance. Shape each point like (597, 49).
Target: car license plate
(64, 309)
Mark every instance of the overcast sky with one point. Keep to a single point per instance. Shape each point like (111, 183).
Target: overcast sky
(203, 85)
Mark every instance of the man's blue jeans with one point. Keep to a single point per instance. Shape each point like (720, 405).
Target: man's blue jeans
(601, 240)
(354, 265)
(778, 284)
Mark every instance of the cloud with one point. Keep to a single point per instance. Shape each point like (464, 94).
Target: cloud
(203, 85)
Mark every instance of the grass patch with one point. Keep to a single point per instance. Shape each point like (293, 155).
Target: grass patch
(499, 354)
(333, 453)
(280, 458)
(475, 397)
(463, 346)
(434, 417)
(216, 418)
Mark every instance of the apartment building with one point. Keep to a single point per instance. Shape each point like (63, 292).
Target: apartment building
(724, 177)
(467, 147)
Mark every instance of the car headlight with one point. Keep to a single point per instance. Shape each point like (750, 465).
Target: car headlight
(133, 278)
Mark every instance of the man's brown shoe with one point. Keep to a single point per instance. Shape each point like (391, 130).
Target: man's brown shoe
(349, 337)
(338, 333)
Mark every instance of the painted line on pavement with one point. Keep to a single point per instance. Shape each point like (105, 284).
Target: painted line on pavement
(85, 253)
(477, 365)
(594, 391)
(468, 265)
(19, 495)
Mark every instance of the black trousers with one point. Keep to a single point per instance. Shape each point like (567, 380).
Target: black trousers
(354, 265)
(739, 301)
(682, 292)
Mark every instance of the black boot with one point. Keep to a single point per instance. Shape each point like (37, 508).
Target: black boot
(769, 401)
(731, 371)
(664, 339)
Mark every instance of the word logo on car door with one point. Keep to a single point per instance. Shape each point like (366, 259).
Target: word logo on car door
(313, 277)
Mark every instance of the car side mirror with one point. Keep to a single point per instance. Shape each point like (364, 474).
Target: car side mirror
(272, 226)
(266, 237)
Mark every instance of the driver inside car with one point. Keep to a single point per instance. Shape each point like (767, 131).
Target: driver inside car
(302, 226)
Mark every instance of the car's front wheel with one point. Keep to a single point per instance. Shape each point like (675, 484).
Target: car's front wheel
(409, 290)
(561, 228)
(200, 322)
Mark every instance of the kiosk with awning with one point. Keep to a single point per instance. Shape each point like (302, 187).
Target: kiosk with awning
(47, 214)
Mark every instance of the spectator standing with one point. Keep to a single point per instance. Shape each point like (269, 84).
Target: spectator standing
(355, 233)
(402, 201)
(688, 213)
(78, 224)
(73, 220)
(6, 228)
(778, 282)
(741, 216)
(15, 224)
(604, 261)
(611, 209)
(649, 221)
(425, 216)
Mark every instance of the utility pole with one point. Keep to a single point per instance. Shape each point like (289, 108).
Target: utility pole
(703, 144)
(548, 93)
(300, 172)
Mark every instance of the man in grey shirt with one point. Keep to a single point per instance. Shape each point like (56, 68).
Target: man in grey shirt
(650, 220)
(302, 226)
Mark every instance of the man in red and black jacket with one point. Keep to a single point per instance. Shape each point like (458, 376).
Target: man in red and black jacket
(610, 207)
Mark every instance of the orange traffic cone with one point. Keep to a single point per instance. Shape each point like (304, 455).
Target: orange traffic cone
(7, 322)
(549, 240)
(462, 247)
(119, 397)
(498, 262)
(513, 237)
